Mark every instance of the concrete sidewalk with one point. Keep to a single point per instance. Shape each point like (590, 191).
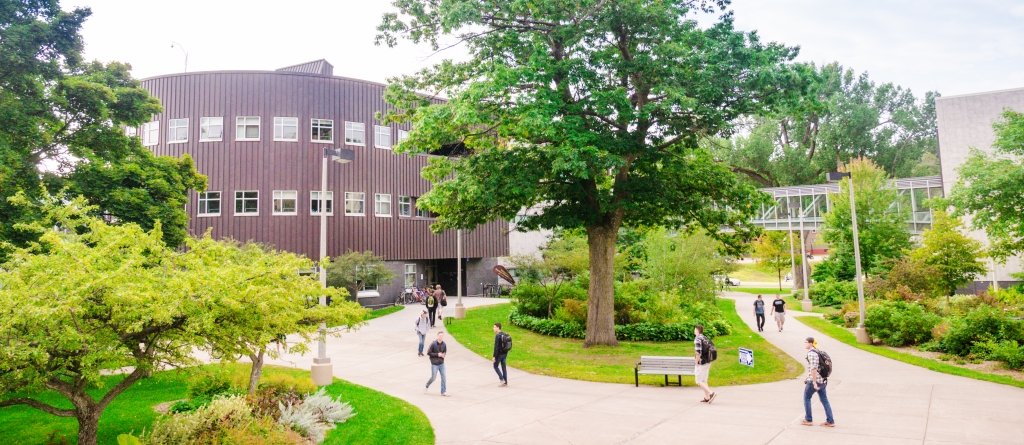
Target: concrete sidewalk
(874, 399)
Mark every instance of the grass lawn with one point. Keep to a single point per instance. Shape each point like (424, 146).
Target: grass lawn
(844, 335)
(379, 418)
(762, 290)
(384, 311)
(753, 272)
(562, 357)
(796, 304)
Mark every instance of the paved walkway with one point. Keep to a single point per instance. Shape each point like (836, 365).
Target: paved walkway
(875, 400)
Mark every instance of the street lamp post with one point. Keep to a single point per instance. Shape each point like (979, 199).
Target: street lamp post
(322, 370)
(860, 331)
(183, 51)
(460, 310)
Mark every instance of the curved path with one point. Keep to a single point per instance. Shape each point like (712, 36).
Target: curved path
(875, 400)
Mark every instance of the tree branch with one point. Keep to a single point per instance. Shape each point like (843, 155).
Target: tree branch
(38, 405)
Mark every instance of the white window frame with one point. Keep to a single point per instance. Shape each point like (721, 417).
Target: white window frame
(208, 122)
(402, 135)
(314, 198)
(203, 203)
(351, 128)
(243, 198)
(244, 122)
(151, 133)
(379, 130)
(320, 124)
(173, 127)
(405, 202)
(282, 122)
(351, 197)
(282, 196)
(409, 271)
(381, 199)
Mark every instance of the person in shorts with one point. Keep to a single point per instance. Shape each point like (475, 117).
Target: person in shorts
(779, 311)
(702, 363)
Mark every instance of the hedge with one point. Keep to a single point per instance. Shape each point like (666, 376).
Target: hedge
(630, 332)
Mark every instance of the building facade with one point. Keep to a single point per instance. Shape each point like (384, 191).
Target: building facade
(259, 138)
(965, 123)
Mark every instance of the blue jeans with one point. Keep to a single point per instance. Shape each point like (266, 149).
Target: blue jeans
(822, 395)
(422, 338)
(434, 369)
(503, 372)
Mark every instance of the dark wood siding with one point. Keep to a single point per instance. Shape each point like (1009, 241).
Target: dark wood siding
(267, 165)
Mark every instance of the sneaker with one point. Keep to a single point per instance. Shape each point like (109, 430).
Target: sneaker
(806, 422)
(444, 394)
(503, 384)
(828, 424)
(711, 398)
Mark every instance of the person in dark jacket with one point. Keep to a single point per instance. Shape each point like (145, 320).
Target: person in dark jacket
(437, 351)
(500, 354)
(431, 307)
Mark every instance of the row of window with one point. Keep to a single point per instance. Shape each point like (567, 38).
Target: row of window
(286, 202)
(286, 129)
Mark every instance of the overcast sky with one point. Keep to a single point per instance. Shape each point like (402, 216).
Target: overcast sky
(952, 46)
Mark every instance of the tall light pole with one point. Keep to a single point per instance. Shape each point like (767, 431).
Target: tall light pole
(322, 369)
(460, 310)
(183, 51)
(860, 331)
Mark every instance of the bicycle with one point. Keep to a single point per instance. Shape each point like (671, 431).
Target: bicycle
(406, 297)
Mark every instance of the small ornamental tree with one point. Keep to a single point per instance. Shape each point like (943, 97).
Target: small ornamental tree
(772, 251)
(592, 109)
(354, 270)
(259, 304)
(954, 256)
(682, 262)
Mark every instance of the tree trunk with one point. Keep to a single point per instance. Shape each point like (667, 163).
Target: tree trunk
(601, 303)
(780, 279)
(88, 424)
(257, 370)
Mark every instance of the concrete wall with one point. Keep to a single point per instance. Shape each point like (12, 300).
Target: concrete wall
(965, 122)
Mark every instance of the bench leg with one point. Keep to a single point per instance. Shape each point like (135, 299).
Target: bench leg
(680, 379)
(666, 379)
(636, 377)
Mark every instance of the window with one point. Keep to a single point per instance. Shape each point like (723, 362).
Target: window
(354, 204)
(286, 129)
(402, 135)
(247, 128)
(322, 130)
(151, 133)
(131, 131)
(247, 203)
(423, 213)
(410, 275)
(177, 131)
(370, 286)
(314, 202)
(285, 202)
(211, 129)
(355, 133)
(405, 206)
(209, 204)
(381, 136)
(382, 204)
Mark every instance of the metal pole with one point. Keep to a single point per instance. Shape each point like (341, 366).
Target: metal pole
(184, 51)
(792, 253)
(322, 370)
(460, 310)
(862, 336)
(806, 303)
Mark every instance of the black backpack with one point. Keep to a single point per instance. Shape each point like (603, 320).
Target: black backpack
(708, 352)
(506, 342)
(824, 364)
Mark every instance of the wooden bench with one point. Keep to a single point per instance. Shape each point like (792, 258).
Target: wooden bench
(655, 364)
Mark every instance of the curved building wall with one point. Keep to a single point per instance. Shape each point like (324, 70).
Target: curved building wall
(267, 165)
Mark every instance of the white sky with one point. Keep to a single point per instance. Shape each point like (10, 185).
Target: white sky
(953, 46)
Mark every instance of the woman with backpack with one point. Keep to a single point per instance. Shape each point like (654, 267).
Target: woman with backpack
(819, 367)
(442, 300)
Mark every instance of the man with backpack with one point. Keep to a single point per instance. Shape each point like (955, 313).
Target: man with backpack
(431, 307)
(703, 354)
(502, 344)
(819, 367)
(442, 301)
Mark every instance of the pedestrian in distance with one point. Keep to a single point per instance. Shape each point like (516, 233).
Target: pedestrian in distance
(502, 344)
(779, 311)
(702, 356)
(442, 301)
(431, 307)
(759, 313)
(422, 327)
(816, 382)
(437, 351)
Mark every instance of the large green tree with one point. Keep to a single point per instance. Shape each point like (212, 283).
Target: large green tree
(955, 256)
(62, 126)
(840, 116)
(991, 188)
(772, 251)
(882, 225)
(592, 109)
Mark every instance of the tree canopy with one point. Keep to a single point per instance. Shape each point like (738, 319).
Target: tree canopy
(955, 257)
(592, 110)
(772, 251)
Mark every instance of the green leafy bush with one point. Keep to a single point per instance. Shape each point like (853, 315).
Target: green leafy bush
(981, 325)
(833, 293)
(573, 311)
(1009, 352)
(535, 300)
(631, 332)
(898, 323)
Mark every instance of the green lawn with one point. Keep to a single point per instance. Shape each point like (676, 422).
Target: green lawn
(379, 418)
(376, 313)
(561, 357)
(844, 335)
(753, 272)
(762, 290)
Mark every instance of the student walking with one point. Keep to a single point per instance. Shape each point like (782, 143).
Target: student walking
(442, 301)
(779, 309)
(502, 344)
(437, 351)
(759, 313)
(422, 326)
(431, 307)
(816, 382)
(702, 360)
